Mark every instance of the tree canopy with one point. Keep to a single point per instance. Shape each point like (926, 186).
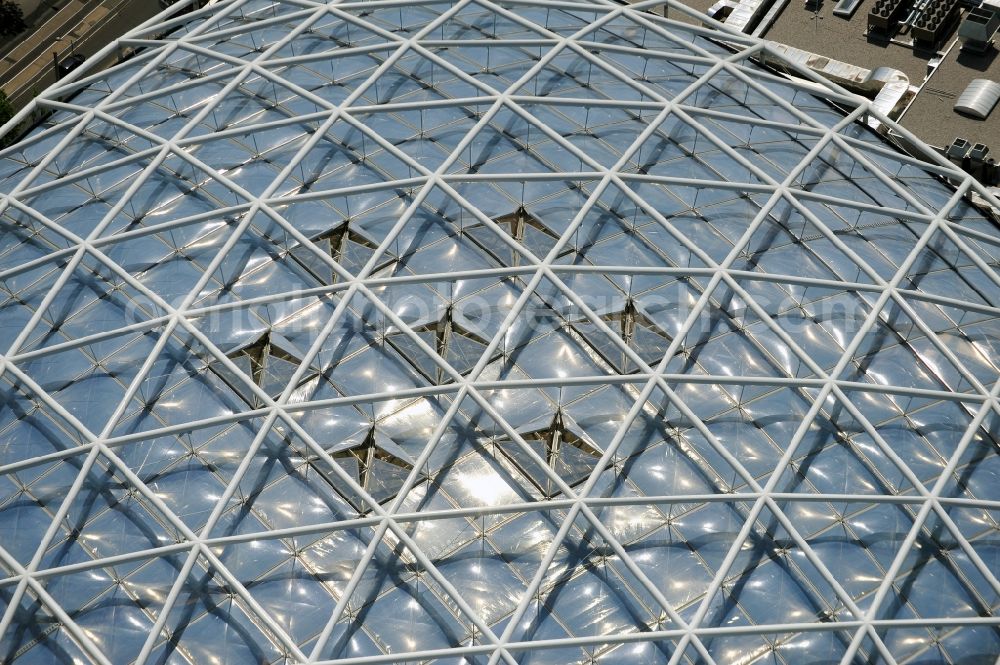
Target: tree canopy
(11, 18)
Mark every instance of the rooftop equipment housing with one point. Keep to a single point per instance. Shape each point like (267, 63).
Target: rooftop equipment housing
(979, 27)
(978, 98)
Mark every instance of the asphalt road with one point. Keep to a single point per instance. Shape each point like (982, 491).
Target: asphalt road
(39, 74)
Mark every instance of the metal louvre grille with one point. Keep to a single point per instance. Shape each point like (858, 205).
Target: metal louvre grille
(481, 332)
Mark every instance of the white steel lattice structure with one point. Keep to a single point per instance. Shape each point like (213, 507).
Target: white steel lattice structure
(488, 331)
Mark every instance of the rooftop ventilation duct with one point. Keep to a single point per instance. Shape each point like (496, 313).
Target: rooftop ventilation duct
(979, 27)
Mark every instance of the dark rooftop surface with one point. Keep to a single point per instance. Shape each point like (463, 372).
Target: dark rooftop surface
(839, 39)
(931, 116)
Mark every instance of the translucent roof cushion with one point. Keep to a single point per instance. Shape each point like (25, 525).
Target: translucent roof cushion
(548, 332)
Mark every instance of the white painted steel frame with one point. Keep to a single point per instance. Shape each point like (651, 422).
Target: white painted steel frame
(388, 520)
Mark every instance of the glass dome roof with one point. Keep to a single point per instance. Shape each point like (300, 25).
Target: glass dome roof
(488, 332)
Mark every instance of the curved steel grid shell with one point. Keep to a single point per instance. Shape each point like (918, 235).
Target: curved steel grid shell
(487, 331)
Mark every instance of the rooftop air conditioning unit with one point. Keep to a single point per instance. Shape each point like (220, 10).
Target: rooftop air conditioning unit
(978, 28)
